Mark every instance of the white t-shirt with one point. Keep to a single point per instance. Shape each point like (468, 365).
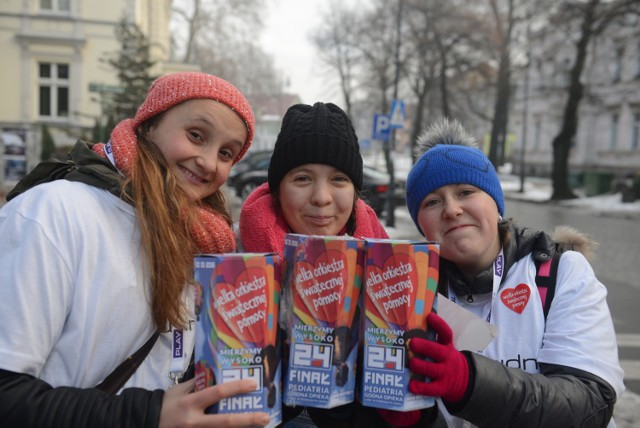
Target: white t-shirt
(74, 289)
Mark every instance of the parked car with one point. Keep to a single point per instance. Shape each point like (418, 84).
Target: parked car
(252, 171)
(375, 188)
(241, 177)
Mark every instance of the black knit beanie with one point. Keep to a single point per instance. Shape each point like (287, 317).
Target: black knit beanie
(319, 134)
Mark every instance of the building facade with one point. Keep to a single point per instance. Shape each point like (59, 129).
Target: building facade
(607, 142)
(52, 72)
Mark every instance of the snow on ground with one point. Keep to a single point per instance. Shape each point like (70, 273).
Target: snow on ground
(539, 190)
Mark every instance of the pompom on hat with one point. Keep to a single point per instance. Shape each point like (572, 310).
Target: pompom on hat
(173, 89)
(321, 133)
(449, 159)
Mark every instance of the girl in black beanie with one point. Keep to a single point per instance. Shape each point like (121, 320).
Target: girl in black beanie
(315, 177)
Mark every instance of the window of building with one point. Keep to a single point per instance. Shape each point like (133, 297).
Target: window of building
(55, 5)
(53, 89)
(537, 126)
(616, 65)
(635, 132)
(613, 131)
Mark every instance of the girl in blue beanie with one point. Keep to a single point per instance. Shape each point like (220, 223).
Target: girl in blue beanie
(549, 366)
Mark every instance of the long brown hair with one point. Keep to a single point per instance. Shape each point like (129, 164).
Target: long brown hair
(165, 215)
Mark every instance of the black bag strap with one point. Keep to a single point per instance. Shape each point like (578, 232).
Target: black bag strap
(546, 275)
(118, 377)
(82, 165)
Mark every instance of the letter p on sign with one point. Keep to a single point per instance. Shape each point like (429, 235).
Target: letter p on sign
(381, 127)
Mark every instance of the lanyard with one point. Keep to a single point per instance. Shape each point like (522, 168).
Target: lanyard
(177, 355)
(498, 271)
(109, 152)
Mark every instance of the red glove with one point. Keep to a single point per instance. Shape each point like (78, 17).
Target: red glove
(448, 369)
(400, 419)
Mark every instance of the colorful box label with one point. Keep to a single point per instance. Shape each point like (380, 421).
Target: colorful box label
(322, 283)
(401, 281)
(237, 302)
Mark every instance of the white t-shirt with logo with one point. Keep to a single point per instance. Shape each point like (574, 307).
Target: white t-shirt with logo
(579, 330)
(74, 289)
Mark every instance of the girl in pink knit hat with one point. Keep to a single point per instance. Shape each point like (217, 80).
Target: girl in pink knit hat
(314, 181)
(95, 268)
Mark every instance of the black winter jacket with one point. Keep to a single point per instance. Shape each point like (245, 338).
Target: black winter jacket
(29, 402)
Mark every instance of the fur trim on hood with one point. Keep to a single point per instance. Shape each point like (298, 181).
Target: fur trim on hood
(569, 238)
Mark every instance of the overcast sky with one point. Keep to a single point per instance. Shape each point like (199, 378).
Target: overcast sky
(286, 37)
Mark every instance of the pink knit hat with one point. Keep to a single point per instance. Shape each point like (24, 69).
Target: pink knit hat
(172, 89)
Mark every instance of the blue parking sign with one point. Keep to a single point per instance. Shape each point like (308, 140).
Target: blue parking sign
(381, 127)
(397, 115)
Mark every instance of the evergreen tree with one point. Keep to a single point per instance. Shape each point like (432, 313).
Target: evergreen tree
(111, 123)
(132, 64)
(102, 128)
(48, 146)
(96, 131)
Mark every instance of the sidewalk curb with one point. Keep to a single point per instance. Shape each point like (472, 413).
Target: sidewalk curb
(577, 204)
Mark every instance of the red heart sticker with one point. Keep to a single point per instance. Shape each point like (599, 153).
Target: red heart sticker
(320, 283)
(242, 306)
(392, 287)
(517, 298)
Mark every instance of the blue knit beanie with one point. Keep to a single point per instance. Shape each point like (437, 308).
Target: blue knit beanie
(445, 164)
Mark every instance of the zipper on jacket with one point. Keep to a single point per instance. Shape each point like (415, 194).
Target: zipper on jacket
(63, 173)
(469, 297)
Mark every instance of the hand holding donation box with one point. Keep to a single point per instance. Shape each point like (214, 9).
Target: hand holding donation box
(237, 303)
(326, 317)
(401, 281)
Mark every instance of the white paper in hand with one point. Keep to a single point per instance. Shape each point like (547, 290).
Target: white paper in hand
(470, 332)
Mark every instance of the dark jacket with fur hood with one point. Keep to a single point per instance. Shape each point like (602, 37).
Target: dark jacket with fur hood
(495, 390)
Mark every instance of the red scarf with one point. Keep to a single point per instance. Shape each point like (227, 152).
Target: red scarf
(212, 234)
(262, 230)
